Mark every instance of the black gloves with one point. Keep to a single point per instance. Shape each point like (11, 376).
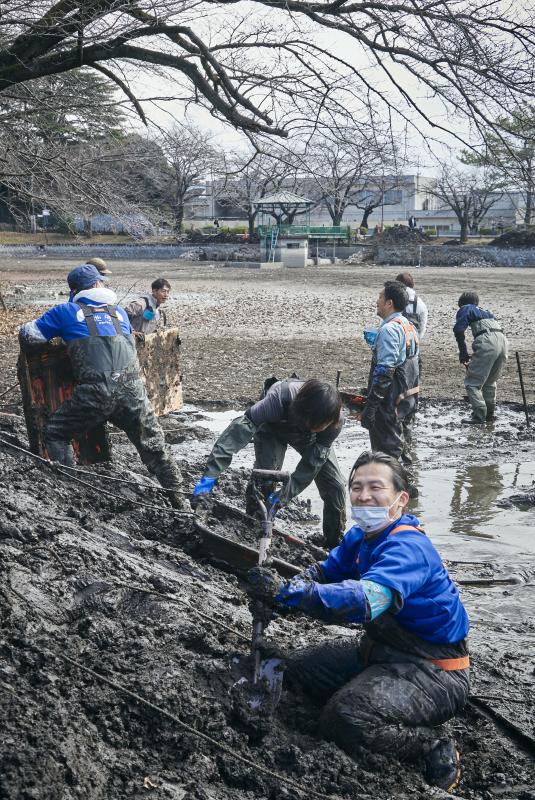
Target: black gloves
(263, 584)
(367, 418)
(381, 382)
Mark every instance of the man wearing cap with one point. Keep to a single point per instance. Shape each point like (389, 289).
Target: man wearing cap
(101, 347)
(144, 313)
(102, 268)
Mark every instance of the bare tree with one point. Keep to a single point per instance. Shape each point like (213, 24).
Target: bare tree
(250, 177)
(191, 157)
(343, 165)
(470, 194)
(257, 70)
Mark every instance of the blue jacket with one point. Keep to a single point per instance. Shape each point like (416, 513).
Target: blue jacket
(390, 348)
(425, 599)
(466, 315)
(67, 319)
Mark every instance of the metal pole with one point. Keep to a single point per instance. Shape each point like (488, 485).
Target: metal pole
(521, 379)
(338, 374)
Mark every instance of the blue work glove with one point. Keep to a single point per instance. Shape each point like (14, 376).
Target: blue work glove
(202, 489)
(204, 486)
(274, 499)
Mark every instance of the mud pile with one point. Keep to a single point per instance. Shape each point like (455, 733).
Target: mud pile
(103, 582)
(522, 238)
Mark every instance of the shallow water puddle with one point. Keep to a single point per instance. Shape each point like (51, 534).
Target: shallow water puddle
(461, 473)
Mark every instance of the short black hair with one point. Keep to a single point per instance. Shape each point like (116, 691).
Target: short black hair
(316, 403)
(406, 279)
(400, 479)
(468, 299)
(160, 283)
(395, 291)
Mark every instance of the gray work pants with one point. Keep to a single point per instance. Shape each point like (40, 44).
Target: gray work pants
(270, 450)
(484, 369)
(124, 403)
(392, 704)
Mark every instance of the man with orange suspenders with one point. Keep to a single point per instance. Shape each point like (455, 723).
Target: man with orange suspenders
(393, 380)
(391, 690)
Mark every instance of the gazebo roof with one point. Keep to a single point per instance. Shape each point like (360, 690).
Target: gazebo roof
(283, 198)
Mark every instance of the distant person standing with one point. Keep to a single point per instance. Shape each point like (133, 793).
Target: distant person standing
(144, 313)
(488, 359)
(412, 223)
(416, 311)
(216, 224)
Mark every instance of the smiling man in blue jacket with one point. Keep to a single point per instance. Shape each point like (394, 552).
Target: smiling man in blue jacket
(101, 347)
(409, 672)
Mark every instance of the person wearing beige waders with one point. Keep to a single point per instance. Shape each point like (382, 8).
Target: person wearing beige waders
(485, 365)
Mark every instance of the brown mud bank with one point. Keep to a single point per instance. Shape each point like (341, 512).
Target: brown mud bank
(104, 589)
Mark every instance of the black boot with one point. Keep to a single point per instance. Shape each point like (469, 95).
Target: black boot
(491, 412)
(170, 478)
(473, 421)
(443, 765)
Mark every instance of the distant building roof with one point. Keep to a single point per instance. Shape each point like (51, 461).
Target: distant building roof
(283, 198)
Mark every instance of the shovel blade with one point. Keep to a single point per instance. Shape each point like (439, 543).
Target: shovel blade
(264, 695)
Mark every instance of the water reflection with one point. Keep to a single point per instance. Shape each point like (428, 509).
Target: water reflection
(475, 490)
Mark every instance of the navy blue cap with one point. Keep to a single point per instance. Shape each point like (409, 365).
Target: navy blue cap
(83, 277)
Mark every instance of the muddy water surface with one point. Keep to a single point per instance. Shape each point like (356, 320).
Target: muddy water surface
(461, 473)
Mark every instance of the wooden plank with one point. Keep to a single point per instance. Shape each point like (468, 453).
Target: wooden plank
(159, 357)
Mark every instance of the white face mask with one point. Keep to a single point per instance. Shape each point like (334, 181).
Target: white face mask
(373, 518)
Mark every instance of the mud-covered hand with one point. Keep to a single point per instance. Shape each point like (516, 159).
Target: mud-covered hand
(263, 584)
(381, 382)
(367, 416)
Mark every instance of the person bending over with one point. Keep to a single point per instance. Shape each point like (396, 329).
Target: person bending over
(307, 415)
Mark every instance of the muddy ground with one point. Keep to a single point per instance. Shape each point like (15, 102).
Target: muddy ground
(240, 325)
(103, 583)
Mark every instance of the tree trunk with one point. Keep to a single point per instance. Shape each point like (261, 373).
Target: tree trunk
(365, 216)
(337, 218)
(179, 217)
(251, 221)
(464, 231)
(529, 206)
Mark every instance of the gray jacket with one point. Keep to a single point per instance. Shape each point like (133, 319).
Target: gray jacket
(135, 310)
(271, 414)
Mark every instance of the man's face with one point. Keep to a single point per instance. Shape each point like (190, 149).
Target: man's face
(384, 307)
(372, 485)
(161, 295)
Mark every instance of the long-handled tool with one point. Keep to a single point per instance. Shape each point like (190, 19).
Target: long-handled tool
(268, 518)
(265, 688)
(522, 389)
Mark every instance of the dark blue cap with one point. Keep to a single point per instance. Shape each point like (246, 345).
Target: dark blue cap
(83, 277)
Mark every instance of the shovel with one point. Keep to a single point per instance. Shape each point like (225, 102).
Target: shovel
(264, 689)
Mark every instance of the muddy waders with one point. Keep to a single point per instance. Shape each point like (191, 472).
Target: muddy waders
(110, 389)
(484, 369)
(386, 699)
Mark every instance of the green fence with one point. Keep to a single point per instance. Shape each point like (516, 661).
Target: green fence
(313, 231)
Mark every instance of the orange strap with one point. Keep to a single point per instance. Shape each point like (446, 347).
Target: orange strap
(451, 664)
(406, 394)
(408, 328)
(406, 528)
